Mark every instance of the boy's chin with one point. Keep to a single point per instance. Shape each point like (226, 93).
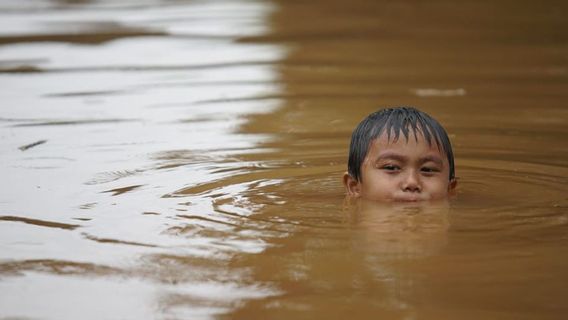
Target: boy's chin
(374, 206)
(408, 200)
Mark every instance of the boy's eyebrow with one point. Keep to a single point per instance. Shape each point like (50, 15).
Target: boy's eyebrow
(437, 160)
(391, 156)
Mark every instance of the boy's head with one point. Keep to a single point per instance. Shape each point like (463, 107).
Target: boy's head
(386, 165)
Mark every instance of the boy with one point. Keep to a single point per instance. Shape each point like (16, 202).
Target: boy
(387, 166)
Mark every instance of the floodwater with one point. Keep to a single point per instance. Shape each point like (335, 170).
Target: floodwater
(183, 159)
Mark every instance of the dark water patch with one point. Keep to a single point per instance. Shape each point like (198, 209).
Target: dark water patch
(41, 223)
(160, 68)
(89, 205)
(86, 38)
(106, 177)
(200, 218)
(21, 69)
(90, 37)
(183, 268)
(84, 94)
(122, 190)
(73, 122)
(57, 267)
(116, 241)
(31, 145)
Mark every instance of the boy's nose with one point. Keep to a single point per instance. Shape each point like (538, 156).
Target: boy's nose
(411, 182)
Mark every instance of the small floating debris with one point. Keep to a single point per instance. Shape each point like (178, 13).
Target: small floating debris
(88, 205)
(119, 191)
(41, 223)
(440, 92)
(20, 69)
(82, 219)
(31, 145)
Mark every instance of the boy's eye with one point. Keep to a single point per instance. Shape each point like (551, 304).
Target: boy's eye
(390, 167)
(429, 170)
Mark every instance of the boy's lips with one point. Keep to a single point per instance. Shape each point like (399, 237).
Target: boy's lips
(409, 198)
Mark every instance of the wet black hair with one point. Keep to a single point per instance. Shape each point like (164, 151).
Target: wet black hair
(393, 121)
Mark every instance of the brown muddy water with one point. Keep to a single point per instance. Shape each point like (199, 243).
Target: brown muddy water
(183, 159)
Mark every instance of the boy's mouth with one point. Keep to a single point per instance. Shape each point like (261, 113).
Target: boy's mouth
(409, 198)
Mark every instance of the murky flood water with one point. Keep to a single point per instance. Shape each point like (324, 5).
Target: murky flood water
(183, 160)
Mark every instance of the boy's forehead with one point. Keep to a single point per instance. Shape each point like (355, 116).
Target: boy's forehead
(413, 135)
(383, 141)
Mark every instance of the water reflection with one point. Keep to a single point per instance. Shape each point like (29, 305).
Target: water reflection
(389, 236)
(498, 90)
(411, 230)
(194, 150)
(119, 94)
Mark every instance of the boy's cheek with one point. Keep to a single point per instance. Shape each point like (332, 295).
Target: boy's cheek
(439, 190)
(377, 189)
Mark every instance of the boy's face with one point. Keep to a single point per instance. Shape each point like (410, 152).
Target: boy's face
(403, 170)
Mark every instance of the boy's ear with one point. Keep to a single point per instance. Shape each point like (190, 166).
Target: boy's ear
(453, 184)
(352, 186)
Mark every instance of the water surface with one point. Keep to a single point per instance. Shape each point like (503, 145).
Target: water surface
(183, 160)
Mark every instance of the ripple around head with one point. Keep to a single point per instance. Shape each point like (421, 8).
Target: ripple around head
(511, 201)
(247, 200)
(498, 183)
